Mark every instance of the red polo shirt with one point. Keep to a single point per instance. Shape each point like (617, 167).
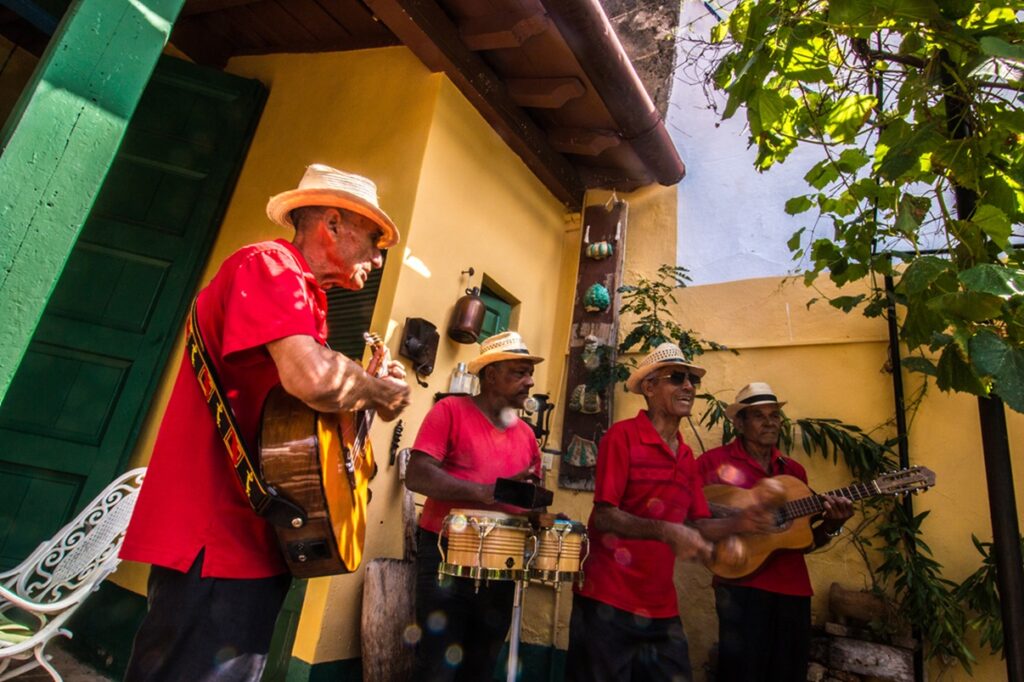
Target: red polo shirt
(639, 474)
(456, 433)
(192, 499)
(785, 571)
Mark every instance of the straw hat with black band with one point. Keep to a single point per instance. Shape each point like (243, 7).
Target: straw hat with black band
(665, 355)
(322, 185)
(500, 347)
(754, 393)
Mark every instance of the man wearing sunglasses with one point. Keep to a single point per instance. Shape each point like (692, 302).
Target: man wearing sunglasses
(764, 620)
(649, 510)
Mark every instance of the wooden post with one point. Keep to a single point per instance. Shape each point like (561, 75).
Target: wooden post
(601, 223)
(58, 144)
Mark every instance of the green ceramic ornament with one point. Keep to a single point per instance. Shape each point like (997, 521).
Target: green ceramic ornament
(600, 250)
(597, 299)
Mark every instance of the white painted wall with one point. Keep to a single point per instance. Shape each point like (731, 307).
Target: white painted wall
(732, 222)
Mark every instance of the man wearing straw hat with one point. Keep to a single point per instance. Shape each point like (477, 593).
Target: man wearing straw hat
(764, 621)
(463, 446)
(218, 578)
(649, 510)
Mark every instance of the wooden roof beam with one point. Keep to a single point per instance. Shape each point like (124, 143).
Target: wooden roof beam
(497, 31)
(581, 141)
(193, 7)
(426, 30)
(544, 93)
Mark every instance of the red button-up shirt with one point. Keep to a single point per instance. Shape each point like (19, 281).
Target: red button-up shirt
(639, 474)
(785, 571)
(191, 499)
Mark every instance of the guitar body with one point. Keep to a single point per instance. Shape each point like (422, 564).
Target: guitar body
(302, 456)
(755, 549)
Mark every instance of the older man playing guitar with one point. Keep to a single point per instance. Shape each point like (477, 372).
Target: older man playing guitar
(765, 619)
(218, 576)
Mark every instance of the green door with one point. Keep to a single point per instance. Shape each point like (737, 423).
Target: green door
(74, 409)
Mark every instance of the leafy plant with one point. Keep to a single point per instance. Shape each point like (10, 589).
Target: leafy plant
(917, 108)
(979, 594)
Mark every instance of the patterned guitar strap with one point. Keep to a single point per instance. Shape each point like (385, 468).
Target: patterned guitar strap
(264, 500)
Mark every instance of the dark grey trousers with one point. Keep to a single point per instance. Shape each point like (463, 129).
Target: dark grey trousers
(205, 629)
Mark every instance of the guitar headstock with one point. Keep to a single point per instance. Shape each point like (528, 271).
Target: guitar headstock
(906, 480)
(380, 354)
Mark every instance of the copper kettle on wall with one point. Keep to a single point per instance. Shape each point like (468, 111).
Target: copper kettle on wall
(468, 317)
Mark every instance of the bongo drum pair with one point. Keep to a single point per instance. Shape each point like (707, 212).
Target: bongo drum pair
(488, 545)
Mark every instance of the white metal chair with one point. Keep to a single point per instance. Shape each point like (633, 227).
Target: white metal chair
(58, 576)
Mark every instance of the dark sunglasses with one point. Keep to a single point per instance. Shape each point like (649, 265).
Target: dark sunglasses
(680, 378)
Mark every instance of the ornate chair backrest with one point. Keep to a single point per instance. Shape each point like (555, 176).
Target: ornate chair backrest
(84, 551)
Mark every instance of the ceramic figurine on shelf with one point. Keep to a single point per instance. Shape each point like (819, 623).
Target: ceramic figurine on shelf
(591, 356)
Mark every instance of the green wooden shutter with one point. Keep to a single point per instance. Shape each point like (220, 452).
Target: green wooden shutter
(75, 406)
(497, 315)
(349, 314)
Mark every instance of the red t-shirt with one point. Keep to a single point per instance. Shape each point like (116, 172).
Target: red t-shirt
(192, 499)
(639, 474)
(456, 433)
(785, 571)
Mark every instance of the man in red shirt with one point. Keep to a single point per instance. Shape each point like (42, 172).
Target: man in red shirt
(218, 578)
(764, 620)
(463, 446)
(649, 510)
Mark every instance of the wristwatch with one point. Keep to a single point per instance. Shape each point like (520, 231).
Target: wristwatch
(834, 533)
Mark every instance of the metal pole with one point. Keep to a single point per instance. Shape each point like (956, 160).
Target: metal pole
(1005, 532)
(903, 442)
(513, 639)
(995, 444)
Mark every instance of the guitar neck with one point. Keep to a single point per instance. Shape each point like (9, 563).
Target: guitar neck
(815, 504)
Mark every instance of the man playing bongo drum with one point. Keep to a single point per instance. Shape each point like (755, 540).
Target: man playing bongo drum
(463, 446)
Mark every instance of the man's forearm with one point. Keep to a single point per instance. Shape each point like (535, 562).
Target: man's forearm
(609, 519)
(430, 480)
(719, 529)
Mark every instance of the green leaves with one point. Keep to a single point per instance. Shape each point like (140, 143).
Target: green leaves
(847, 117)
(996, 280)
(875, 83)
(1005, 364)
(996, 47)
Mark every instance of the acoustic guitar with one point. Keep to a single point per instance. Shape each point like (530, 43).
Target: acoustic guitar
(324, 464)
(746, 553)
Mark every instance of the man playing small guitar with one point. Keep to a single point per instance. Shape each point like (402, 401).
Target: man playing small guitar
(765, 618)
(218, 577)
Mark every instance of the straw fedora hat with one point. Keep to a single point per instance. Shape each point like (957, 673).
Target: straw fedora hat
(322, 185)
(665, 355)
(503, 346)
(754, 393)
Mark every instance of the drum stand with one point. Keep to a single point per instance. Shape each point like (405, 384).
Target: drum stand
(517, 622)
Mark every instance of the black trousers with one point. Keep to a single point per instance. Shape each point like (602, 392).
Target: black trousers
(762, 636)
(461, 631)
(606, 644)
(205, 629)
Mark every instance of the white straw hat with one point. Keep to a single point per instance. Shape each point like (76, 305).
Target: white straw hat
(665, 355)
(503, 346)
(754, 393)
(322, 185)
